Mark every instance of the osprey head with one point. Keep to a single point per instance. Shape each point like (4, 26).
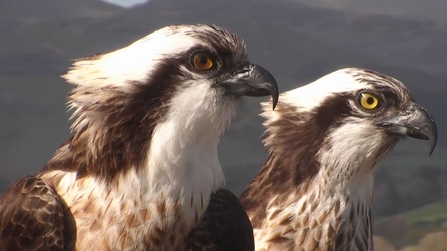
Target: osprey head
(178, 57)
(188, 78)
(351, 114)
(325, 141)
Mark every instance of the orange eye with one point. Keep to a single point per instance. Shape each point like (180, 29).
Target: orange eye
(201, 61)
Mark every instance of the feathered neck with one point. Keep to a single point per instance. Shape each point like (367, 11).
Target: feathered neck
(315, 190)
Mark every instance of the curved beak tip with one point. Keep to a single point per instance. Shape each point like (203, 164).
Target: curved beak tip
(264, 82)
(434, 138)
(275, 97)
(431, 151)
(424, 127)
(418, 124)
(430, 130)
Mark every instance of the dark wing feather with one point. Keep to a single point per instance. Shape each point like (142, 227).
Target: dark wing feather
(33, 217)
(224, 227)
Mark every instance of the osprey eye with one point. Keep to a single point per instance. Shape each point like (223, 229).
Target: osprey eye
(201, 61)
(368, 101)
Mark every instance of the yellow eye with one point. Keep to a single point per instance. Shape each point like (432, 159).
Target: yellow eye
(368, 101)
(201, 61)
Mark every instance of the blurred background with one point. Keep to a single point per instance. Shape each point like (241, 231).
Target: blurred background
(297, 40)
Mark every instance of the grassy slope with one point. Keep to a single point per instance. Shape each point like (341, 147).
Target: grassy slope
(429, 214)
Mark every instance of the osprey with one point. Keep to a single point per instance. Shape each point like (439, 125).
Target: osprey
(142, 163)
(325, 141)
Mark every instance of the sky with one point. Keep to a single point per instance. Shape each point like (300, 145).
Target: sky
(126, 3)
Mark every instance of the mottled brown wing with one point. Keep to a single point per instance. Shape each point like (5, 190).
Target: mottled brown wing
(33, 217)
(224, 227)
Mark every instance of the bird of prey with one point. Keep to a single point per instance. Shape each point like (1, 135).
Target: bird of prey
(325, 141)
(142, 164)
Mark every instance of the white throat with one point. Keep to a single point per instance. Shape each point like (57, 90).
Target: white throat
(346, 180)
(182, 160)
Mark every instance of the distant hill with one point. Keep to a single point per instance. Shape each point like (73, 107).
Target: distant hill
(35, 35)
(34, 11)
(432, 9)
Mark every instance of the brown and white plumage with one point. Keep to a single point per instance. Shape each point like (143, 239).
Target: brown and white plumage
(142, 163)
(325, 141)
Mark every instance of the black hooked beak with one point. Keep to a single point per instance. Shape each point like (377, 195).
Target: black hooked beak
(416, 122)
(253, 81)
